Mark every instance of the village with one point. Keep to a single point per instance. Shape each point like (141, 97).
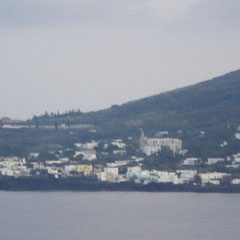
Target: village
(116, 161)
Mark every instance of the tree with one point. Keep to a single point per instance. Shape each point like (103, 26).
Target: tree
(198, 179)
(68, 124)
(36, 124)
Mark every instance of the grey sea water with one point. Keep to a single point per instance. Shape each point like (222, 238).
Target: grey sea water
(118, 215)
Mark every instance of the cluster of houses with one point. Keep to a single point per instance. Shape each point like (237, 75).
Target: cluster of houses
(84, 164)
(17, 167)
(13, 166)
(230, 162)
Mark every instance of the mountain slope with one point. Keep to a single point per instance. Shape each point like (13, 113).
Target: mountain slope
(202, 115)
(202, 105)
(212, 107)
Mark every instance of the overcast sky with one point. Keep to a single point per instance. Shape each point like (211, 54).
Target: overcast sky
(91, 54)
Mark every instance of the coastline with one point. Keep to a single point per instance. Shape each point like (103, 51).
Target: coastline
(75, 184)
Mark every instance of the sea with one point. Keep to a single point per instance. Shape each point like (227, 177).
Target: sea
(118, 216)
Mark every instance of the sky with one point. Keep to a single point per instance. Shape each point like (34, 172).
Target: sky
(58, 55)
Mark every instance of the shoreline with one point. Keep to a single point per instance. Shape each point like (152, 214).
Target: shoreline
(77, 185)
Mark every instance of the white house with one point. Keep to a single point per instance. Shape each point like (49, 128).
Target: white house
(133, 171)
(119, 152)
(112, 171)
(210, 181)
(69, 168)
(101, 176)
(118, 163)
(186, 175)
(89, 155)
(236, 181)
(236, 158)
(191, 161)
(53, 171)
(212, 177)
(121, 178)
(7, 172)
(57, 162)
(161, 133)
(224, 144)
(144, 174)
(34, 155)
(215, 160)
(237, 136)
(118, 143)
(89, 146)
(111, 174)
(13, 166)
(233, 166)
(166, 177)
(136, 159)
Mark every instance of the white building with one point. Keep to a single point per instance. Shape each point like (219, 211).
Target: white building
(119, 152)
(89, 155)
(69, 168)
(215, 160)
(53, 171)
(133, 171)
(37, 165)
(150, 146)
(143, 175)
(13, 166)
(212, 177)
(105, 146)
(236, 181)
(191, 161)
(118, 163)
(118, 143)
(161, 133)
(57, 162)
(210, 181)
(101, 176)
(121, 178)
(237, 136)
(137, 159)
(224, 144)
(34, 155)
(166, 177)
(186, 175)
(233, 165)
(111, 171)
(7, 172)
(111, 174)
(236, 158)
(183, 152)
(89, 146)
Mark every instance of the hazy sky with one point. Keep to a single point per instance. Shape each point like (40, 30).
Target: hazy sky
(91, 54)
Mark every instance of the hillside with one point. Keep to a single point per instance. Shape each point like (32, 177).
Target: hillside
(211, 107)
(205, 105)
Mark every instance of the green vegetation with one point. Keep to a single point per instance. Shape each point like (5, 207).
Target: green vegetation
(212, 107)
